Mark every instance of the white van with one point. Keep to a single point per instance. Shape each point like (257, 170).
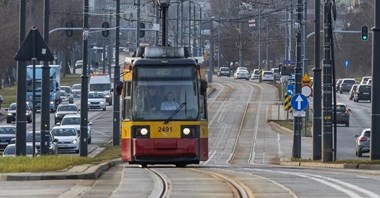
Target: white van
(78, 64)
(102, 83)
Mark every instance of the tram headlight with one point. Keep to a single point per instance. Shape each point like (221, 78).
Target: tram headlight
(144, 131)
(189, 131)
(141, 131)
(186, 131)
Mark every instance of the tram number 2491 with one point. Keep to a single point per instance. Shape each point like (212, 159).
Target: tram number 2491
(165, 129)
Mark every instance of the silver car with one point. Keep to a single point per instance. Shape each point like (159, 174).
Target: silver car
(363, 142)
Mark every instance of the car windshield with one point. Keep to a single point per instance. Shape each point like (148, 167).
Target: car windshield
(70, 121)
(67, 108)
(268, 73)
(256, 71)
(242, 68)
(340, 108)
(7, 130)
(243, 71)
(12, 107)
(364, 88)
(11, 150)
(29, 137)
(64, 132)
(66, 89)
(349, 81)
(367, 134)
(77, 86)
(95, 95)
(224, 69)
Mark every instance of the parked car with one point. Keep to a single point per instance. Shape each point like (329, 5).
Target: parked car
(255, 74)
(11, 113)
(76, 89)
(363, 142)
(97, 100)
(365, 79)
(69, 93)
(68, 138)
(7, 133)
(267, 76)
(53, 145)
(224, 71)
(342, 114)
(10, 150)
(346, 84)
(64, 109)
(352, 91)
(369, 82)
(241, 74)
(73, 121)
(363, 92)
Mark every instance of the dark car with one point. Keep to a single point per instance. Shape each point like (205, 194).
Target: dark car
(346, 84)
(337, 85)
(352, 91)
(64, 109)
(69, 93)
(224, 71)
(342, 114)
(363, 142)
(11, 113)
(7, 133)
(363, 92)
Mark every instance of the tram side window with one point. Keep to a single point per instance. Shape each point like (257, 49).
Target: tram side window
(127, 101)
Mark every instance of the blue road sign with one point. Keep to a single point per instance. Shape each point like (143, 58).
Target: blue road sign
(346, 63)
(290, 90)
(299, 102)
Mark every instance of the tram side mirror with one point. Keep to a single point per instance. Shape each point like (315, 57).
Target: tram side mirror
(119, 87)
(203, 87)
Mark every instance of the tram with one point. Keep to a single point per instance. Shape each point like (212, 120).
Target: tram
(164, 108)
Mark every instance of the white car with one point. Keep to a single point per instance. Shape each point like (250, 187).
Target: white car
(241, 74)
(10, 150)
(73, 120)
(267, 76)
(76, 90)
(255, 74)
(68, 138)
(97, 100)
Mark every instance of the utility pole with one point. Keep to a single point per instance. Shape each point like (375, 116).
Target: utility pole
(116, 79)
(375, 118)
(189, 22)
(304, 59)
(267, 45)
(182, 26)
(83, 150)
(177, 27)
(327, 141)
(317, 93)
(45, 90)
(137, 24)
(21, 90)
(259, 32)
(298, 76)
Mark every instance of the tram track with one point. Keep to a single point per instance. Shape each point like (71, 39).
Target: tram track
(162, 184)
(238, 188)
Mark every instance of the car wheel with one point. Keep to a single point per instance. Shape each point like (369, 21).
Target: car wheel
(360, 154)
(340, 92)
(110, 103)
(347, 124)
(29, 120)
(89, 141)
(356, 153)
(104, 109)
(8, 121)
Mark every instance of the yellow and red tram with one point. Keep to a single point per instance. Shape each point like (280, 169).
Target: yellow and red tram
(164, 115)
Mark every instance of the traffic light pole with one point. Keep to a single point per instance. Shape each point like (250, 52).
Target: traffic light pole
(298, 75)
(83, 150)
(116, 97)
(375, 115)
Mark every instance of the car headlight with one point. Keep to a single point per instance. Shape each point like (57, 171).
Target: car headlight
(51, 102)
(9, 114)
(74, 141)
(102, 102)
(88, 103)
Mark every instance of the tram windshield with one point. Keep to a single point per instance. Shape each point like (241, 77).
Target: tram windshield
(158, 92)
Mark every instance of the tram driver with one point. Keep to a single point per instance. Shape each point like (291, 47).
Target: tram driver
(170, 103)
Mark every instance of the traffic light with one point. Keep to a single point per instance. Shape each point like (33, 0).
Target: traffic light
(364, 32)
(69, 33)
(105, 31)
(142, 32)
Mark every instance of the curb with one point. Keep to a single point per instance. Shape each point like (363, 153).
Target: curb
(90, 172)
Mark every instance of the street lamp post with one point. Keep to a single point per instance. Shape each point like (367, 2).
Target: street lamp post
(164, 5)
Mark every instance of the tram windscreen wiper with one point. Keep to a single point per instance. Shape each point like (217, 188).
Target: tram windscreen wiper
(175, 112)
